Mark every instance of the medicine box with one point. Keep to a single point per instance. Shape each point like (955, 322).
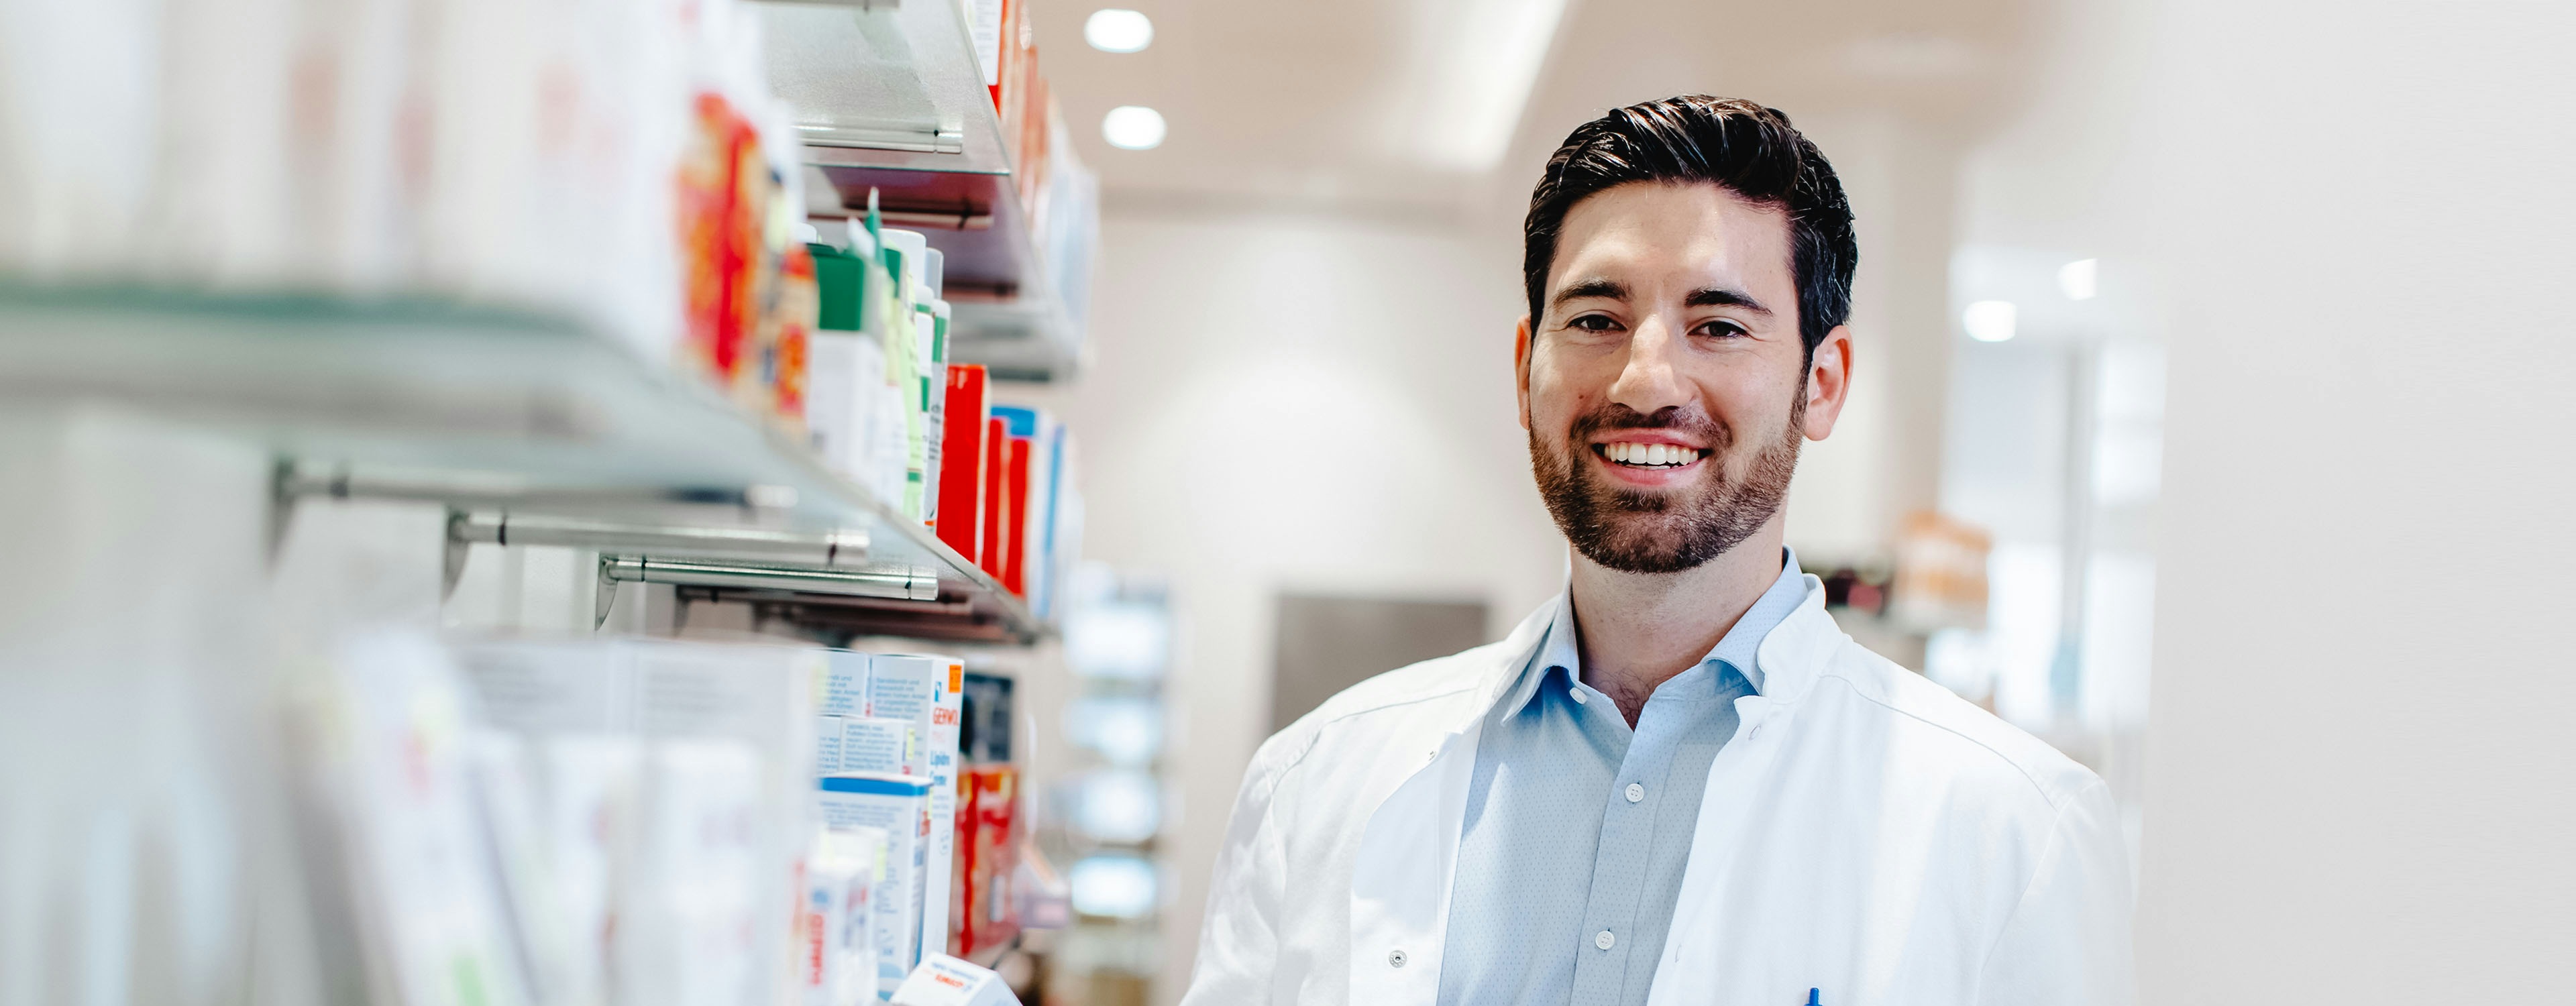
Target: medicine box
(927, 691)
(899, 806)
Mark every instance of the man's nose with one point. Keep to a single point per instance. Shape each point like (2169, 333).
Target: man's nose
(1650, 379)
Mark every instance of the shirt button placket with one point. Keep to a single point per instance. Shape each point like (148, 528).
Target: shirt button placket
(1604, 940)
(1636, 792)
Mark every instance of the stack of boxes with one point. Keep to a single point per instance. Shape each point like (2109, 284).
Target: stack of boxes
(887, 758)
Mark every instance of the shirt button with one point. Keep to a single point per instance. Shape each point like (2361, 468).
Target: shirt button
(1604, 940)
(1577, 692)
(1636, 792)
(1395, 959)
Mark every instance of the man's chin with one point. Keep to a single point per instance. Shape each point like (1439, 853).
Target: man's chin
(1635, 545)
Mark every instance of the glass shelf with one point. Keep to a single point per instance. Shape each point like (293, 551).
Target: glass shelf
(477, 407)
(894, 85)
(890, 97)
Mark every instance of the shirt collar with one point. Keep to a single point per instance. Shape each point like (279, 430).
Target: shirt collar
(1739, 648)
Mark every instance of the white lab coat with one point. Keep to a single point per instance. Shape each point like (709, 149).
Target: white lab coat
(1865, 834)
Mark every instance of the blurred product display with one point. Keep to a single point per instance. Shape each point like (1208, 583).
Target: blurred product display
(1109, 817)
(448, 359)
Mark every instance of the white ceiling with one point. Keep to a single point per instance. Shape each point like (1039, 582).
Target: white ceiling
(1358, 103)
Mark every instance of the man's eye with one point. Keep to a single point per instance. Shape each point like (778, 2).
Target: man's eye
(1593, 323)
(1723, 330)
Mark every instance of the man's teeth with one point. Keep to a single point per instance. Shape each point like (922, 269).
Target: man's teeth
(1650, 455)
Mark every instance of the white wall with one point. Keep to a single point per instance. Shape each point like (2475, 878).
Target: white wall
(1884, 459)
(2354, 218)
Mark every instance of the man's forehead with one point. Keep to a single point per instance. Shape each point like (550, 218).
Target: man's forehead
(1687, 231)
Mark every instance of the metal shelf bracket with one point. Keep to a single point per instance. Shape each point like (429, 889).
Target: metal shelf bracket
(886, 581)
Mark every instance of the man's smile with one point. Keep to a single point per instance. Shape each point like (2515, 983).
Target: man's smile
(1643, 454)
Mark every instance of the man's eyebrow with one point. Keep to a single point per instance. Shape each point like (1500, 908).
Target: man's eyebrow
(1722, 297)
(1596, 287)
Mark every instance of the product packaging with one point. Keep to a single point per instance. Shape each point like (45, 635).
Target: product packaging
(899, 806)
(431, 914)
(946, 981)
(984, 910)
(1030, 482)
(961, 479)
(985, 736)
(656, 742)
(839, 964)
(593, 796)
(908, 358)
(997, 513)
(708, 866)
(1015, 510)
(926, 691)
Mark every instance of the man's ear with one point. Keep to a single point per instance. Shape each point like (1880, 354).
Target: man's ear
(1521, 365)
(1828, 382)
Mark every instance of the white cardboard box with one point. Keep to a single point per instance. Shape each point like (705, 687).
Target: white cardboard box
(926, 691)
(900, 806)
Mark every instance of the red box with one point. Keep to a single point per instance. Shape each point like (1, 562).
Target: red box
(982, 913)
(962, 460)
(1015, 503)
(997, 523)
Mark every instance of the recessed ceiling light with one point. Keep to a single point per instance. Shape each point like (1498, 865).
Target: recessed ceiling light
(2080, 279)
(1117, 30)
(1990, 320)
(1132, 127)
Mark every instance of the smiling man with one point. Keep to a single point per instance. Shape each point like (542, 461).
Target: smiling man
(1679, 781)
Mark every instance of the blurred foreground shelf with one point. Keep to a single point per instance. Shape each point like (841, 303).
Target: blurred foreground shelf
(494, 410)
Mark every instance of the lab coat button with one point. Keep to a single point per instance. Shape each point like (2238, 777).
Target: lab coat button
(1604, 940)
(1395, 959)
(1635, 793)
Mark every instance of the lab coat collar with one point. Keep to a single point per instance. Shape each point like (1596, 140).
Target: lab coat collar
(1793, 656)
(1515, 654)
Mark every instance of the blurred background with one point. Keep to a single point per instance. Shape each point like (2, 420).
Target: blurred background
(525, 408)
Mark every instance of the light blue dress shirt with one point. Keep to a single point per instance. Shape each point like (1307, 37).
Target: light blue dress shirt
(1577, 828)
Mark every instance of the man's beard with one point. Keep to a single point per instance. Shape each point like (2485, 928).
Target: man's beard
(1668, 532)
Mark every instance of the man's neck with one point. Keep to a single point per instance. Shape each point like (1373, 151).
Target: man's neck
(1637, 630)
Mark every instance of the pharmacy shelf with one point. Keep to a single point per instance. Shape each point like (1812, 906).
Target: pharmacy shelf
(891, 100)
(478, 408)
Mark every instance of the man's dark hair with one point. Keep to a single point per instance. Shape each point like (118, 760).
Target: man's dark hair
(1745, 148)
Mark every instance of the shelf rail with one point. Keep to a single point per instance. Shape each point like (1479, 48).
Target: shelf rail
(832, 564)
(832, 550)
(885, 581)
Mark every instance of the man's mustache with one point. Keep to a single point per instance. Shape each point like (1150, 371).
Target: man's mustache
(1614, 416)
